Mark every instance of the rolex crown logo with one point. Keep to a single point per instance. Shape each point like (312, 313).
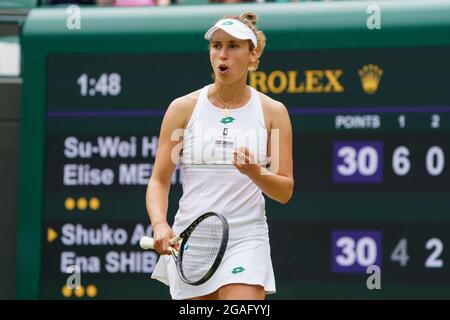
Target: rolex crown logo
(370, 76)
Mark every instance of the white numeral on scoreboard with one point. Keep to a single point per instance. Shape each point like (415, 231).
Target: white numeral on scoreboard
(107, 84)
(400, 161)
(400, 252)
(435, 121)
(435, 161)
(363, 251)
(402, 121)
(433, 260)
(365, 161)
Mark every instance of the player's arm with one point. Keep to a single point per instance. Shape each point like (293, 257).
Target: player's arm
(278, 182)
(158, 188)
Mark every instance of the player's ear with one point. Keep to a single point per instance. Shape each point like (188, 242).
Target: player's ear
(254, 55)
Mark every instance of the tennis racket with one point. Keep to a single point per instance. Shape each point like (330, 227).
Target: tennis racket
(202, 248)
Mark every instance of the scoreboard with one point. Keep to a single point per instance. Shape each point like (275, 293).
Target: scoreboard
(370, 213)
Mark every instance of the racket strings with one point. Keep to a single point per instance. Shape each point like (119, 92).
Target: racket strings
(201, 248)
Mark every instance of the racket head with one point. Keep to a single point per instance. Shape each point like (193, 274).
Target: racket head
(202, 248)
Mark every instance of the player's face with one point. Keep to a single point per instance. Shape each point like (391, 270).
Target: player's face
(230, 57)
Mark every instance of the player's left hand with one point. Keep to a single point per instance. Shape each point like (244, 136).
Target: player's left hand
(244, 161)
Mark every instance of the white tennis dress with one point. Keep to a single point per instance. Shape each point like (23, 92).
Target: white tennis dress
(211, 183)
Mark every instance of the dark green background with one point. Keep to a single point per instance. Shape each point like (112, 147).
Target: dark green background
(415, 207)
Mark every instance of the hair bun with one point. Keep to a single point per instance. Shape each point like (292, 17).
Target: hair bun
(250, 16)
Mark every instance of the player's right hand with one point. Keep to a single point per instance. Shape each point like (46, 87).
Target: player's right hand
(162, 233)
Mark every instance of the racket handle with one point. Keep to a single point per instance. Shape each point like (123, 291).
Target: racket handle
(174, 240)
(146, 243)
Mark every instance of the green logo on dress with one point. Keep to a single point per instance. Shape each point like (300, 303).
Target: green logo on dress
(227, 23)
(238, 270)
(227, 120)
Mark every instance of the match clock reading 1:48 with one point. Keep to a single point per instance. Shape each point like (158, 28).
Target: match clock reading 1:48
(105, 84)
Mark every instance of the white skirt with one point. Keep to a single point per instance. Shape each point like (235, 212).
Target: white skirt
(246, 261)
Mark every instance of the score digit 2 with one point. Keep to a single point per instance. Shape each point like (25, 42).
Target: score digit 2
(352, 251)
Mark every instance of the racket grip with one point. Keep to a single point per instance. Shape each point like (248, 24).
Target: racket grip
(146, 243)
(174, 240)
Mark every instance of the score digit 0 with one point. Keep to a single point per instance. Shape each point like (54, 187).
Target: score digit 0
(352, 251)
(362, 161)
(357, 162)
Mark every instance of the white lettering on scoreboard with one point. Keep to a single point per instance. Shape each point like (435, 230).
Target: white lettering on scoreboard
(116, 172)
(366, 121)
(114, 261)
(109, 147)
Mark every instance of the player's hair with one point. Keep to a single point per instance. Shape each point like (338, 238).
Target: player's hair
(250, 19)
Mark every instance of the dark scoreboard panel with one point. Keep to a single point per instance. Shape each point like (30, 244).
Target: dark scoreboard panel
(370, 212)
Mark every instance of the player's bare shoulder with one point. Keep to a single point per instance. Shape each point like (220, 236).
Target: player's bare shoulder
(183, 106)
(272, 109)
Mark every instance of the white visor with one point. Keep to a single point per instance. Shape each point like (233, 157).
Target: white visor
(234, 28)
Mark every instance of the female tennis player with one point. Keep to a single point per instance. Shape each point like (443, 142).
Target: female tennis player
(236, 144)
